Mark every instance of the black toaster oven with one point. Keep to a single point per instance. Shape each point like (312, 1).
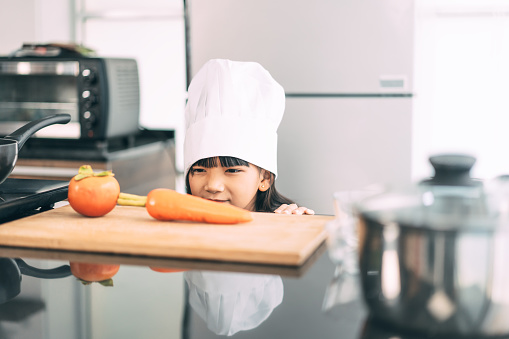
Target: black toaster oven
(102, 95)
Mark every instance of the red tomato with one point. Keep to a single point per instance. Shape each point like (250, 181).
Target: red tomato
(93, 272)
(166, 270)
(93, 196)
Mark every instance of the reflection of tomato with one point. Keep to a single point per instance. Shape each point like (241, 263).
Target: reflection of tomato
(93, 272)
(166, 270)
(93, 196)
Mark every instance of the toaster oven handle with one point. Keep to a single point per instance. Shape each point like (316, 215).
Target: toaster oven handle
(39, 67)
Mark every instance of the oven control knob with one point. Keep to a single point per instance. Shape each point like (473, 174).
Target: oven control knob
(90, 118)
(89, 98)
(88, 75)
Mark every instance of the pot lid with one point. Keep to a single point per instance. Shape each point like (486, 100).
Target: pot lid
(450, 200)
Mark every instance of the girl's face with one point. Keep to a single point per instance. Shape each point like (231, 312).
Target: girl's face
(235, 185)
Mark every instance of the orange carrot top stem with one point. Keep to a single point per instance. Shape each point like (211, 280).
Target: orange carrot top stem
(127, 199)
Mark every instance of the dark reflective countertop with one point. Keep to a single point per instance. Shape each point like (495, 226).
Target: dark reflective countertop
(195, 303)
(144, 303)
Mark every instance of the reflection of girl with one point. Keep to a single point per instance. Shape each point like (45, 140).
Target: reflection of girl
(233, 302)
(230, 150)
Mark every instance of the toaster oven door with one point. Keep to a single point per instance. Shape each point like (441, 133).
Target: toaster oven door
(32, 90)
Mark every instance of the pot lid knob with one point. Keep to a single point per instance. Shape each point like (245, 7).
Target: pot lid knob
(452, 170)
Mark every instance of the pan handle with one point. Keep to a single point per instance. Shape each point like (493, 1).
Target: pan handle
(53, 273)
(23, 133)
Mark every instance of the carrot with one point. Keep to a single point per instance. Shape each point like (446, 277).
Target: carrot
(167, 204)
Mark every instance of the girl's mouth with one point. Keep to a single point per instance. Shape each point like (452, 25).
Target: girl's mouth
(217, 200)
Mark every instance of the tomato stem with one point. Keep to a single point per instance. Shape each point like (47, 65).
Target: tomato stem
(107, 282)
(86, 171)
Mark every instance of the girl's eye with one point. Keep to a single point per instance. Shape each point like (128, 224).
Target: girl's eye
(232, 170)
(197, 170)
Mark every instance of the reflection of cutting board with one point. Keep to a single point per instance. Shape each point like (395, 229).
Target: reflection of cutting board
(269, 239)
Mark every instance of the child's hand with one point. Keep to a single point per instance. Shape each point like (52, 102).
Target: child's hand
(293, 209)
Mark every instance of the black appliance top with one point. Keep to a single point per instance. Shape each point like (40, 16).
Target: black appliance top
(22, 197)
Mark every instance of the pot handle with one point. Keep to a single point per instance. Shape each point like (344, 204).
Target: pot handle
(22, 134)
(53, 273)
(452, 170)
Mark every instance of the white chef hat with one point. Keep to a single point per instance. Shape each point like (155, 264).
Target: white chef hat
(234, 109)
(233, 302)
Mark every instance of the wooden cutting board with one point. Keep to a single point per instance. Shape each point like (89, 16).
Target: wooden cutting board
(268, 239)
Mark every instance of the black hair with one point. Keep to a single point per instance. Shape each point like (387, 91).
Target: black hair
(267, 201)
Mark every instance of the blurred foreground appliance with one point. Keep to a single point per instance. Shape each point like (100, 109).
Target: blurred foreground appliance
(346, 67)
(101, 95)
(23, 197)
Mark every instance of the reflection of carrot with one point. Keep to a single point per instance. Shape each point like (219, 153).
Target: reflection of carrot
(167, 204)
(167, 270)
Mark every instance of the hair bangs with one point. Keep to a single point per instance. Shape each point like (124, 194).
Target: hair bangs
(223, 162)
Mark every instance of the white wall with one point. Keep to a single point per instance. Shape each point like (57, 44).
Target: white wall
(33, 21)
(461, 83)
(17, 24)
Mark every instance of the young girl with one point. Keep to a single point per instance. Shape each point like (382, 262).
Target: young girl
(230, 149)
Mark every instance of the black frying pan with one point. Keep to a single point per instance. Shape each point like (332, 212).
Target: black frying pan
(11, 144)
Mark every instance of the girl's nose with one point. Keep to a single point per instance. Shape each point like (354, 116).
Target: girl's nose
(214, 184)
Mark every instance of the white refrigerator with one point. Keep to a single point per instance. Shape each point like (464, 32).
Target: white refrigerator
(346, 67)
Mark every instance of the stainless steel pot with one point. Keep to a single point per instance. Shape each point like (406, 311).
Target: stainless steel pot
(435, 258)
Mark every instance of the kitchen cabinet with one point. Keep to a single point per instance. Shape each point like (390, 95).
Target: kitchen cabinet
(333, 144)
